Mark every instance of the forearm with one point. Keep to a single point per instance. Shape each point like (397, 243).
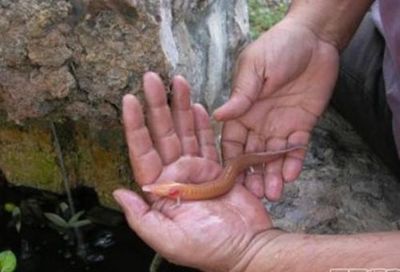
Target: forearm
(334, 21)
(304, 252)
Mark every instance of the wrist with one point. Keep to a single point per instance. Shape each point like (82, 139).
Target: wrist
(333, 21)
(261, 245)
(305, 252)
(317, 23)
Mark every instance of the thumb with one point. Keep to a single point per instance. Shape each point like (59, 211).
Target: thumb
(133, 206)
(245, 90)
(147, 223)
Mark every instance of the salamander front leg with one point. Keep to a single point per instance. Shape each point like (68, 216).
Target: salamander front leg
(175, 194)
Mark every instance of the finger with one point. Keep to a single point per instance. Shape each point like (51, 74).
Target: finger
(149, 224)
(204, 133)
(145, 161)
(273, 180)
(254, 178)
(245, 90)
(234, 136)
(160, 119)
(293, 162)
(193, 170)
(183, 116)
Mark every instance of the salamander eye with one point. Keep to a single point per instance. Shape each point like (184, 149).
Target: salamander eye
(173, 193)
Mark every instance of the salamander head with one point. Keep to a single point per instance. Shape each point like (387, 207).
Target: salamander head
(170, 189)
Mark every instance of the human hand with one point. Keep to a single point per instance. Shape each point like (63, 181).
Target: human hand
(282, 84)
(177, 143)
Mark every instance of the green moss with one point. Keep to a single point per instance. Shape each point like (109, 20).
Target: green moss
(27, 158)
(103, 163)
(263, 16)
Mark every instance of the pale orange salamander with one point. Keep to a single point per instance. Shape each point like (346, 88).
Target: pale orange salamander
(219, 186)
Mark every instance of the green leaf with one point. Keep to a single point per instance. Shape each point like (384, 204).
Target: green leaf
(18, 226)
(75, 217)
(57, 220)
(8, 261)
(81, 223)
(9, 207)
(63, 207)
(16, 212)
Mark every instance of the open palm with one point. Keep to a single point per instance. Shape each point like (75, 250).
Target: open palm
(177, 144)
(282, 85)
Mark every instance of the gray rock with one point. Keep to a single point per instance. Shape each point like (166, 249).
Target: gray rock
(343, 188)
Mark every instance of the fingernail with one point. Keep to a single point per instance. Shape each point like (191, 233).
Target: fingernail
(291, 170)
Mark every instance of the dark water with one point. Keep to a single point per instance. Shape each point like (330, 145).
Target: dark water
(109, 243)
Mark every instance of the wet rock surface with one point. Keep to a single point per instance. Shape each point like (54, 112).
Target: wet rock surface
(344, 187)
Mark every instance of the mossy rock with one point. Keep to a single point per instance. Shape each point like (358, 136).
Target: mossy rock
(95, 159)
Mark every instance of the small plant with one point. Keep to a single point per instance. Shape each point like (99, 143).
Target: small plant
(8, 261)
(263, 16)
(63, 223)
(67, 224)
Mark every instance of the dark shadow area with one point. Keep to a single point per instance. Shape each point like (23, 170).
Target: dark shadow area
(41, 245)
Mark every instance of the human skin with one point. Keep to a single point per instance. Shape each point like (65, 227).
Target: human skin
(282, 85)
(177, 143)
(228, 233)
